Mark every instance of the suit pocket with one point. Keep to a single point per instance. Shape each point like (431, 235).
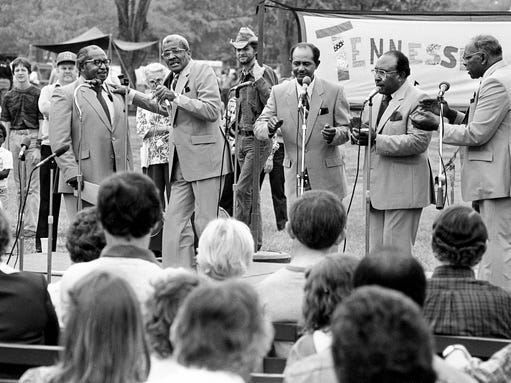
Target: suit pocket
(476, 155)
(207, 139)
(287, 163)
(85, 154)
(333, 162)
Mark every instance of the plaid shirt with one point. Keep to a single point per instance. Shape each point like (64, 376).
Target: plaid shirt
(497, 369)
(458, 304)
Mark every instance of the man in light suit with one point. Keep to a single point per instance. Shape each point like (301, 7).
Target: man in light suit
(199, 158)
(327, 126)
(105, 145)
(486, 142)
(401, 180)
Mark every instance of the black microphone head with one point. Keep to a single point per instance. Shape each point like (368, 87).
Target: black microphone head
(60, 151)
(26, 142)
(445, 85)
(306, 80)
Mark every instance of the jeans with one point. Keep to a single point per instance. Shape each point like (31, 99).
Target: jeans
(243, 202)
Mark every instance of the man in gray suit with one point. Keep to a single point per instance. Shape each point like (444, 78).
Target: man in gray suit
(486, 142)
(401, 179)
(198, 155)
(105, 141)
(327, 126)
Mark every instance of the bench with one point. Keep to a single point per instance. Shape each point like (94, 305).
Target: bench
(482, 348)
(17, 358)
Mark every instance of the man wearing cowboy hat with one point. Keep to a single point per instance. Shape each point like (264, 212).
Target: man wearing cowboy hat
(66, 73)
(249, 105)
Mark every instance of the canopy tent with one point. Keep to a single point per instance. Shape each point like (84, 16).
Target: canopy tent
(95, 36)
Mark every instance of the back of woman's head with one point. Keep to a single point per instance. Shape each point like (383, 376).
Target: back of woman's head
(104, 336)
(327, 284)
(459, 236)
(222, 327)
(169, 294)
(226, 248)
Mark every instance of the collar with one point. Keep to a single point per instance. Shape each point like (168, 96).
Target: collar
(499, 64)
(250, 70)
(310, 88)
(128, 251)
(448, 271)
(400, 92)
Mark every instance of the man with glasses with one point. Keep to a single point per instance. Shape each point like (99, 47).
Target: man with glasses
(401, 180)
(327, 126)
(484, 133)
(105, 146)
(198, 158)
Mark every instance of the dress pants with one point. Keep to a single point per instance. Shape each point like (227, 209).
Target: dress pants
(201, 197)
(495, 266)
(278, 191)
(397, 227)
(44, 193)
(159, 173)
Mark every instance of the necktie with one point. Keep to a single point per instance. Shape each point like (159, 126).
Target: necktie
(174, 82)
(384, 104)
(99, 95)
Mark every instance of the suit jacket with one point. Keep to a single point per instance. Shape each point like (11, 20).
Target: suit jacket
(324, 162)
(401, 175)
(197, 136)
(486, 139)
(103, 143)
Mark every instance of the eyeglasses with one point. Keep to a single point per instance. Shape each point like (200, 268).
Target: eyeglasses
(382, 72)
(156, 81)
(99, 62)
(466, 58)
(173, 52)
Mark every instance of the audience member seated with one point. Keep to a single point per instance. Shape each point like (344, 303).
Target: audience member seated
(316, 225)
(169, 294)
(226, 248)
(26, 312)
(220, 334)
(456, 302)
(326, 285)
(84, 241)
(391, 268)
(128, 208)
(380, 336)
(104, 336)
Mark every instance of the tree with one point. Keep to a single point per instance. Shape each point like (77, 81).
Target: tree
(132, 19)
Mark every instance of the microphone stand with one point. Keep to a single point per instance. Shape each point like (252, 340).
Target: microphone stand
(23, 177)
(367, 178)
(301, 173)
(79, 177)
(440, 180)
(126, 82)
(50, 225)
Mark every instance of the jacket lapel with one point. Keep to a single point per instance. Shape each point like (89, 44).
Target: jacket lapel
(291, 98)
(182, 80)
(315, 105)
(89, 95)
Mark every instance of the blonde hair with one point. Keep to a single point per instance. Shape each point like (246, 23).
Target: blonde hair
(225, 249)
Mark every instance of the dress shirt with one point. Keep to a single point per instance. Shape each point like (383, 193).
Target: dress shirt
(458, 304)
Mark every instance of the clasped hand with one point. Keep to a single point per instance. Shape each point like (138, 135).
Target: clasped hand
(361, 133)
(163, 93)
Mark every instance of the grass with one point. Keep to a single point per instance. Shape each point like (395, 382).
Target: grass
(279, 240)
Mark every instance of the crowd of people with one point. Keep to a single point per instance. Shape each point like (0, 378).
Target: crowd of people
(123, 315)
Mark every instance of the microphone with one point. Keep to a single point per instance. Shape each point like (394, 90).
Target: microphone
(373, 93)
(57, 153)
(305, 85)
(444, 87)
(25, 144)
(94, 82)
(237, 88)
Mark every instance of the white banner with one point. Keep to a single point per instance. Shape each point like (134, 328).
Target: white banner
(350, 46)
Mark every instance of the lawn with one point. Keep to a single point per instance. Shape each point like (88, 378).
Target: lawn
(279, 241)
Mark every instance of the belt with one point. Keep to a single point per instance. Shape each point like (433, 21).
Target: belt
(246, 133)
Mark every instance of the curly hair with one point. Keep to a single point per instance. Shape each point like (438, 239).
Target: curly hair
(380, 336)
(85, 237)
(222, 327)
(459, 236)
(327, 284)
(170, 292)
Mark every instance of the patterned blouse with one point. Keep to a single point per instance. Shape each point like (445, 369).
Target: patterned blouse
(154, 128)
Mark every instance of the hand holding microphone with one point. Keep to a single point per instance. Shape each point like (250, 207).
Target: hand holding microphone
(273, 124)
(328, 132)
(164, 95)
(362, 134)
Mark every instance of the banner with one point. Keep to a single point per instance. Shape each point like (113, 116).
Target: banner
(351, 44)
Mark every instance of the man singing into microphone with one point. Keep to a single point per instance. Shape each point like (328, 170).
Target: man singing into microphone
(105, 147)
(249, 106)
(484, 135)
(401, 180)
(327, 125)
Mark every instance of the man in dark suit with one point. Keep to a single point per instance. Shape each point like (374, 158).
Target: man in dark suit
(327, 125)
(105, 147)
